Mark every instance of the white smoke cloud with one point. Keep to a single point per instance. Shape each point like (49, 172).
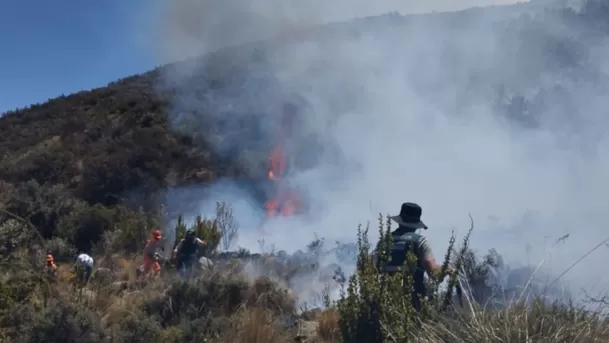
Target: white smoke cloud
(417, 123)
(189, 28)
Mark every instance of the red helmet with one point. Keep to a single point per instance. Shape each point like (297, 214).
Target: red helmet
(156, 234)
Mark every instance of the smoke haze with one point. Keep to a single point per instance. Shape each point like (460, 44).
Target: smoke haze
(411, 107)
(191, 27)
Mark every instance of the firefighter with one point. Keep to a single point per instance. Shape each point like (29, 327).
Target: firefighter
(406, 239)
(50, 266)
(186, 253)
(151, 254)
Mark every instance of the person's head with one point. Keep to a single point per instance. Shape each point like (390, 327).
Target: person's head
(156, 235)
(190, 233)
(410, 217)
(50, 258)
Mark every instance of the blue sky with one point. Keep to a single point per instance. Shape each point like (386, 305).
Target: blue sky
(49, 48)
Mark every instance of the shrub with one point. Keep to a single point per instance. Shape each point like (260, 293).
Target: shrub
(40, 206)
(58, 321)
(62, 251)
(21, 284)
(222, 229)
(85, 228)
(255, 325)
(131, 231)
(65, 322)
(136, 328)
(218, 297)
(13, 234)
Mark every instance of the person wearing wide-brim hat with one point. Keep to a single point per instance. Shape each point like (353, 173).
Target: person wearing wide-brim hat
(410, 216)
(406, 239)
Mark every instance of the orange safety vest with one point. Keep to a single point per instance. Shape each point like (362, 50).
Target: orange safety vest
(149, 245)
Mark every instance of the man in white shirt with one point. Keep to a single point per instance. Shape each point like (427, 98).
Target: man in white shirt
(83, 267)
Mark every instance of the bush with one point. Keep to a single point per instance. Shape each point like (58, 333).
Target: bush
(131, 232)
(40, 206)
(137, 328)
(65, 322)
(222, 229)
(373, 298)
(13, 234)
(62, 251)
(58, 321)
(377, 306)
(85, 228)
(220, 297)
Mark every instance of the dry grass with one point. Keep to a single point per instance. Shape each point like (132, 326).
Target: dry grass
(538, 323)
(328, 329)
(255, 325)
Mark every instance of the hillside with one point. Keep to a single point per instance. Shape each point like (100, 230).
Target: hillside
(90, 172)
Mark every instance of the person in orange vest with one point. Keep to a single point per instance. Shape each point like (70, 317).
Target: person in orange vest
(150, 252)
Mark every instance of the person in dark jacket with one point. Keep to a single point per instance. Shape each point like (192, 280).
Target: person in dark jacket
(186, 253)
(406, 239)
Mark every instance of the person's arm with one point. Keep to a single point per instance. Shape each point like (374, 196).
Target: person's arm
(178, 247)
(429, 261)
(201, 242)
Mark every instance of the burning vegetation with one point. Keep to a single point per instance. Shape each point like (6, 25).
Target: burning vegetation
(285, 199)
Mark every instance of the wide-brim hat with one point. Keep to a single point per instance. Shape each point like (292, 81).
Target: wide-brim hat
(410, 216)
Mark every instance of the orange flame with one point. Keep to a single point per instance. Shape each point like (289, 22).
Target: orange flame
(286, 200)
(277, 164)
(286, 203)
